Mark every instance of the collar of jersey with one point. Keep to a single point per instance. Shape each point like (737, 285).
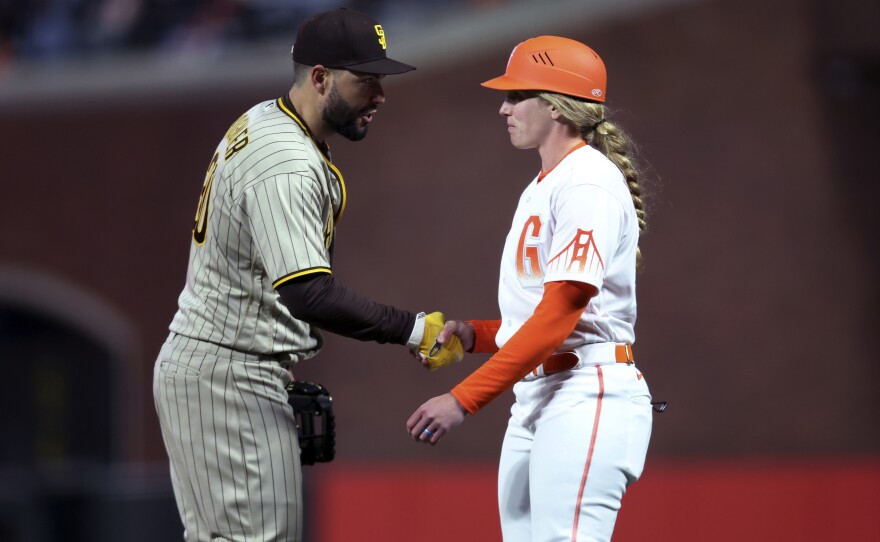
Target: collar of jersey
(571, 150)
(286, 106)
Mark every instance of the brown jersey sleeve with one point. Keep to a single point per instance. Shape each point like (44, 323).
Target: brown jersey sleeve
(326, 303)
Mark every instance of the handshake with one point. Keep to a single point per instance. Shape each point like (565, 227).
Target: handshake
(423, 342)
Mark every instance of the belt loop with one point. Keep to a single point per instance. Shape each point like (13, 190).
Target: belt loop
(623, 353)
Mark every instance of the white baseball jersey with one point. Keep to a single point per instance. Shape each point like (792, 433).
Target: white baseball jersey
(270, 202)
(579, 224)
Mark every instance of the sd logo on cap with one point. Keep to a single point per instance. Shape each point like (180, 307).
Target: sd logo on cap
(343, 38)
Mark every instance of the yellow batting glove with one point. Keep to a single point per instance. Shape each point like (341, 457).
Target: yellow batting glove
(434, 354)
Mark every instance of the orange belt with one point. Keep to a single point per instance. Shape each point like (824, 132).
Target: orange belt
(623, 353)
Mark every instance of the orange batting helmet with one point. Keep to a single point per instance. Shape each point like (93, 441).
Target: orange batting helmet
(554, 64)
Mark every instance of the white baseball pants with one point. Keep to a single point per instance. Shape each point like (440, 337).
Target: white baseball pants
(575, 441)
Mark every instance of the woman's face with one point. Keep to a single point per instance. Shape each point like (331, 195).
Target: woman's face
(528, 119)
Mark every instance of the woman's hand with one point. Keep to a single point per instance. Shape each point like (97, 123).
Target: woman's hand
(435, 418)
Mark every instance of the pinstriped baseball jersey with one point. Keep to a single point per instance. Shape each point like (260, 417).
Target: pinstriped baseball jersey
(269, 206)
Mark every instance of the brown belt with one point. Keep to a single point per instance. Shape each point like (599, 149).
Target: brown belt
(623, 353)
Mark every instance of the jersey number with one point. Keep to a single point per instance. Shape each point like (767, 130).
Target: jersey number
(200, 229)
(236, 139)
(528, 267)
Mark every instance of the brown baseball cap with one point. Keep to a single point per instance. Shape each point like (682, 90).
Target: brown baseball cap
(344, 38)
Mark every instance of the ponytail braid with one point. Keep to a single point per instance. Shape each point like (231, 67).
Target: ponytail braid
(590, 120)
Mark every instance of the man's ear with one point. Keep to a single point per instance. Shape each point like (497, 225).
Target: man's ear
(320, 78)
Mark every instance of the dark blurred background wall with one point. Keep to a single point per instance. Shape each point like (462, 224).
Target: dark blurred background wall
(757, 124)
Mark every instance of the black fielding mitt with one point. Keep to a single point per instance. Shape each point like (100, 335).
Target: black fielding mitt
(315, 424)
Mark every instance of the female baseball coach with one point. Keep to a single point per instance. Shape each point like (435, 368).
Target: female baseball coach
(579, 429)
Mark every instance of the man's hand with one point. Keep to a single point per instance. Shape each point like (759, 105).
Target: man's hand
(433, 352)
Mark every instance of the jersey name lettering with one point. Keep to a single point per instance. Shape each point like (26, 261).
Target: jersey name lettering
(236, 136)
(239, 143)
(528, 266)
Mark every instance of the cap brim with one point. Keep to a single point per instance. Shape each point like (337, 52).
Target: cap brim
(383, 66)
(506, 83)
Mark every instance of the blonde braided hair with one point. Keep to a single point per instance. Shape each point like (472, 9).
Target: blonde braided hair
(590, 120)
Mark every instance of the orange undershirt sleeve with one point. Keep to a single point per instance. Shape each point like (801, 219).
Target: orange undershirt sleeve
(552, 322)
(484, 335)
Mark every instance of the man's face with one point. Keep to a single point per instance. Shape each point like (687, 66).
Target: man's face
(351, 102)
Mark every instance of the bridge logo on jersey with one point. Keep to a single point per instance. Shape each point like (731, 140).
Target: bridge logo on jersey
(579, 256)
(528, 265)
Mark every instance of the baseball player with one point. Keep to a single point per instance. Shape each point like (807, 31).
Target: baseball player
(579, 429)
(260, 284)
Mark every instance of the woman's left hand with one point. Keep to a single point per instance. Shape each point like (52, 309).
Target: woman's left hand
(435, 418)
